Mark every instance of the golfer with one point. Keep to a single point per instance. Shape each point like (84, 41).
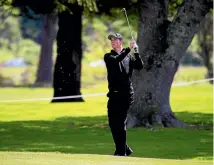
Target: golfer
(120, 64)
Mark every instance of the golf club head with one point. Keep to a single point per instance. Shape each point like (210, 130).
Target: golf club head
(123, 9)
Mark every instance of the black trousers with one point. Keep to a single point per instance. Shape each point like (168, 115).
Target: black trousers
(118, 105)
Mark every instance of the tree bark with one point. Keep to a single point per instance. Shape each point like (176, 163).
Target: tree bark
(45, 65)
(185, 25)
(161, 45)
(67, 73)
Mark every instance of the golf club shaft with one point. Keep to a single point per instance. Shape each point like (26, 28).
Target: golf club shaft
(128, 23)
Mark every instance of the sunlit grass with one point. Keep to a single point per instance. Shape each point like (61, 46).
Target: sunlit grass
(82, 128)
(29, 158)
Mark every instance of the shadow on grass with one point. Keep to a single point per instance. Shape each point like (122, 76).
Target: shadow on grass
(91, 135)
(202, 120)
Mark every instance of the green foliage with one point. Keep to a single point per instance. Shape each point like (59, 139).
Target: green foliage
(118, 23)
(6, 3)
(5, 80)
(5, 55)
(12, 76)
(60, 6)
(95, 42)
(88, 5)
(27, 49)
(10, 34)
(11, 42)
(30, 51)
(93, 75)
(194, 46)
(173, 8)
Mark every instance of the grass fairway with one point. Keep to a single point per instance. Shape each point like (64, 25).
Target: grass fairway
(80, 129)
(11, 158)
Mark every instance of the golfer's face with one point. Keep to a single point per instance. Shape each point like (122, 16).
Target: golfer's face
(115, 43)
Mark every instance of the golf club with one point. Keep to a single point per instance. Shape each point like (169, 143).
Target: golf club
(128, 22)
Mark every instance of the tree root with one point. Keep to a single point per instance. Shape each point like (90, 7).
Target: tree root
(169, 120)
(166, 120)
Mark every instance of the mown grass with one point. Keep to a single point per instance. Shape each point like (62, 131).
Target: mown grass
(185, 74)
(30, 158)
(81, 129)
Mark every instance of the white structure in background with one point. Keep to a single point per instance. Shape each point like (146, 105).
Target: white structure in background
(97, 63)
(15, 62)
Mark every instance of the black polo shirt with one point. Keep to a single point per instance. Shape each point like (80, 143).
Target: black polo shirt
(119, 70)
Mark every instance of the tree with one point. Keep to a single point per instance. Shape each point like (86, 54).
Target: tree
(67, 71)
(162, 44)
(44, 70)
(205, 40)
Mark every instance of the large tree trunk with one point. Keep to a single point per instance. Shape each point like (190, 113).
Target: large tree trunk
(67, 73)
(161, 47)
(44, 71)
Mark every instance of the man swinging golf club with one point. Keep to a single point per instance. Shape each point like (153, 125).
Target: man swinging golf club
(120, 64)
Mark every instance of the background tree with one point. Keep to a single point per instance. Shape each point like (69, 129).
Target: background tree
(205, 38)
(45, 65)
(67, 71)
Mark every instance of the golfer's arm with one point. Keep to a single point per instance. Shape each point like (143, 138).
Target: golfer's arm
(119, 57)
(137, 62)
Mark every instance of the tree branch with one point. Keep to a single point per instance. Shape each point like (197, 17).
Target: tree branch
(184, 26)
(5, 2)
(38, 6)
(167, 2)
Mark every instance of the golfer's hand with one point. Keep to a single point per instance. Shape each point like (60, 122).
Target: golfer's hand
(136, 49)
(131, 43)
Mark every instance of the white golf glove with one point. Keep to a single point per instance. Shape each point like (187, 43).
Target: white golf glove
(135, 47)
